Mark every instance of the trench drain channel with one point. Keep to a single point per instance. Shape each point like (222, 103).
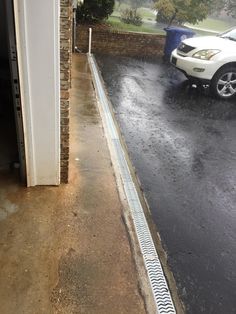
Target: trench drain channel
(159, 287)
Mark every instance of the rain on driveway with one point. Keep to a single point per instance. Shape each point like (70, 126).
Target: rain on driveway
(182, 144)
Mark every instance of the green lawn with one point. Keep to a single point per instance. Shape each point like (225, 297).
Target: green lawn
(145, 13)
(203, 33)
(214, 24)
(116, 24)
(148, 26)
(117, 9)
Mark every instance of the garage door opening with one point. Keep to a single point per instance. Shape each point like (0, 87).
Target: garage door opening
(12, 159)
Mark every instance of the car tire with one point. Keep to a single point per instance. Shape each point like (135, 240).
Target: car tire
(223, 84)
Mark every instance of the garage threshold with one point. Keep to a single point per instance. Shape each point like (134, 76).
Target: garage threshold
(161, 294)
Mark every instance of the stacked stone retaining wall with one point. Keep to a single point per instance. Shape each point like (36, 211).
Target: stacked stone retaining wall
(106, 41)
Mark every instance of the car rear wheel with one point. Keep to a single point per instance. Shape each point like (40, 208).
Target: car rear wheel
(223, 84)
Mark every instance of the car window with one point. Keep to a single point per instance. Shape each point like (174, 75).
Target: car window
(229, 34)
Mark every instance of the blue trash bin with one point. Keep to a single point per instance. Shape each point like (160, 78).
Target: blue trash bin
(174, 36)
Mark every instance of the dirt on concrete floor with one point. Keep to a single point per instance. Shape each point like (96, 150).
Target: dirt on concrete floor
(65, 249)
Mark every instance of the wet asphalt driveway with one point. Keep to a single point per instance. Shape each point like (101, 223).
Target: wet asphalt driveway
(182, 143)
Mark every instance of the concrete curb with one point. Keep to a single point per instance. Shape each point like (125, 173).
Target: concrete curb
(161, 296)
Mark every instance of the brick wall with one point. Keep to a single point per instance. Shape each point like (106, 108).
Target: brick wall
(120, 43)
(65, 78)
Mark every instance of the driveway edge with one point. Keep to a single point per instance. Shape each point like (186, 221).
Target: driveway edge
(159, 300)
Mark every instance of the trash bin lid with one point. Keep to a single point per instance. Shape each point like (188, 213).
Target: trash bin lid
(180, 30)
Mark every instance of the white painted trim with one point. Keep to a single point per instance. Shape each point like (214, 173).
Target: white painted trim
(38, 45)
(21, 43)
(57, 88)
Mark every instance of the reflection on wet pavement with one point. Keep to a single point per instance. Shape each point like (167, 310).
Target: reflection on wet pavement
(182, 143)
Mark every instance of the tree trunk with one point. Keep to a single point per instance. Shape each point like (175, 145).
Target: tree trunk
(173, 18)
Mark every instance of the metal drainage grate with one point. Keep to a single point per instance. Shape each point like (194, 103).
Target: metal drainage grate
(156, 276)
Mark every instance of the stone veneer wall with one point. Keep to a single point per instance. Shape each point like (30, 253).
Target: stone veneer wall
(105, 41)
(65, 79)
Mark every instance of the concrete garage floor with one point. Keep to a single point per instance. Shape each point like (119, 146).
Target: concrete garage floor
(182, 143)
(65, 249)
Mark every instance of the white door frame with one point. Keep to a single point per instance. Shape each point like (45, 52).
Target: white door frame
(38, 47)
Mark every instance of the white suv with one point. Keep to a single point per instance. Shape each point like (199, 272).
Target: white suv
(209, 60)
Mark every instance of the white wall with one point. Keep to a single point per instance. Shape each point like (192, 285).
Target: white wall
(37, 31)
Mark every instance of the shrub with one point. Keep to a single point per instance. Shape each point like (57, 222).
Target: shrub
(94, 10)
(161, 18)
(130, 16)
